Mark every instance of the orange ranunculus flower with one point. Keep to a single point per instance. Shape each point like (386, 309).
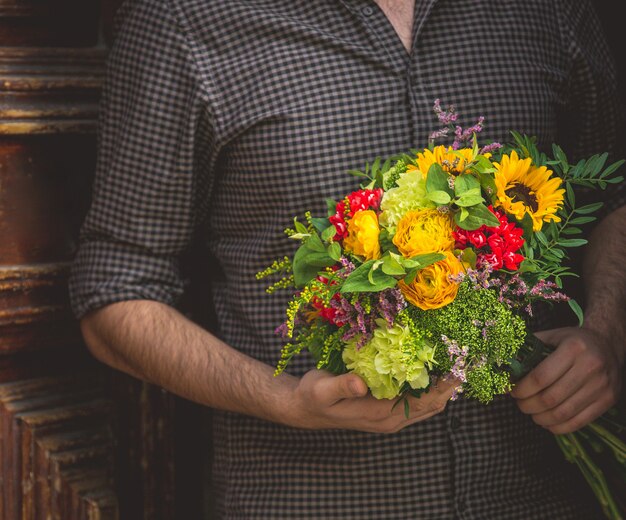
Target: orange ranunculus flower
(432, 287)
(363, 232)
(424, 231)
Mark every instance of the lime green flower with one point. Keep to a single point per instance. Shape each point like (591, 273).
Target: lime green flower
(409, 194)
(394, 356)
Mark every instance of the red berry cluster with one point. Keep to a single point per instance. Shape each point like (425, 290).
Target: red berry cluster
(494, 246)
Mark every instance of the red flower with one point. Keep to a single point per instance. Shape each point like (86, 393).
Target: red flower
(339, 221)
(360, 200)
(496, 246)
(364, 199)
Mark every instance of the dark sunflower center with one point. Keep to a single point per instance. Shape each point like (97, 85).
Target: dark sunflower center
(521, 192)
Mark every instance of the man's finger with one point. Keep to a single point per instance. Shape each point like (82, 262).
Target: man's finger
(589, 414)
(570, 407)
(544, 374)
(557, 393)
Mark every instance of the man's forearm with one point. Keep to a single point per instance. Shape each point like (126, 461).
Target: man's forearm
(154, 342)
(604, 274)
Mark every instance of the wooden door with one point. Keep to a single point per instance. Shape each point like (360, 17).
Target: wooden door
(77, 440)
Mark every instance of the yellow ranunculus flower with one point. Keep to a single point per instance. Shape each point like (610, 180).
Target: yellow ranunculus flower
(432, 287)
(363, 232)
(424, 231)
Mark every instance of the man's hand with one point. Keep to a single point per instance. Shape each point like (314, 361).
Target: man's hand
(323, 400)
(575, 384)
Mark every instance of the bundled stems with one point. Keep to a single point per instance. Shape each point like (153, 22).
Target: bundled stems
(602, 434)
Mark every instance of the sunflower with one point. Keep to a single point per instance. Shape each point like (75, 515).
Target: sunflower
(452, 161)
(523, 188)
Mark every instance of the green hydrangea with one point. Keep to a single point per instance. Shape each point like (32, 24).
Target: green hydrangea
(409, 194)
(393, 358)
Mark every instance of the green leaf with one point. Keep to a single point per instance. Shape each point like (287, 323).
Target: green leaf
(572, 242)
(589, 208)
(464, 183)
(527, 267)
(370, 273)
(315, 243)
(559, 154)
(483, 166)
(595, 164)
(439, 197)
(437, 180)
(308, 262)
(571, 197)
(611, 169)
(357, 173)
(541, 237)
(376, 165)
(392, 266)
(527, 225)
(359, 280)
(469, 256)
(582, 220)
(300, 227)
(571, 230)
(467, 199)
(478, 215)
(577, 310)
(421, 261)
(463, 215)
(320, 223)
(334, 251)
(331, 206)
(329, 233)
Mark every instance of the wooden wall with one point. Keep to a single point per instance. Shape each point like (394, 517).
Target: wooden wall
(77, 440)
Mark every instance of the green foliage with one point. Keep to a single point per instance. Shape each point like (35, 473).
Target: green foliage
(475, 216)
(377, 275)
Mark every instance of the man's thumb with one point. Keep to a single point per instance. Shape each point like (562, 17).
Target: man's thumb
(349, 386)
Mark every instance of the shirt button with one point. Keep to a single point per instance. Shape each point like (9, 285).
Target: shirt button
(455, 424)
(368, 10)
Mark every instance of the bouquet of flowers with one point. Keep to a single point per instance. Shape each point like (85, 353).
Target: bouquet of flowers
(434, 268)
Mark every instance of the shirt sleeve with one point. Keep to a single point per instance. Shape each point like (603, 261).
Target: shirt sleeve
(156, 148)
(595, 112)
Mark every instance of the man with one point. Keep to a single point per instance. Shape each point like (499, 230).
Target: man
(222, 120)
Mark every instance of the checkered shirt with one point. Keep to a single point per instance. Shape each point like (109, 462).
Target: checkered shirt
(221, 120)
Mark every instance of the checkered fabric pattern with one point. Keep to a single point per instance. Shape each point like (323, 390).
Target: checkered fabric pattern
(222, 120)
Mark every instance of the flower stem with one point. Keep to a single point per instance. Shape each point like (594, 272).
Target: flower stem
(575, 452)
